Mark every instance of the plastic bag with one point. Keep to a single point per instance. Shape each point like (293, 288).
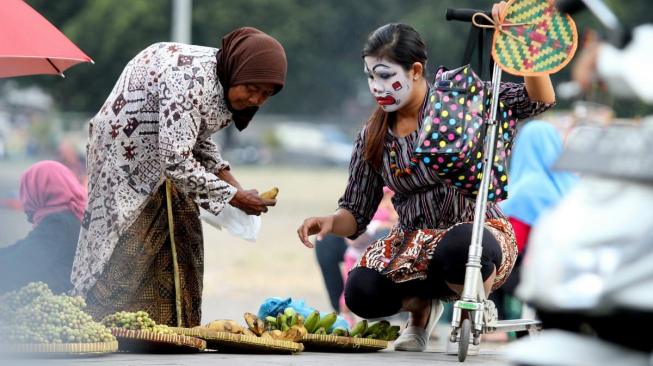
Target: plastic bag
(236, 221)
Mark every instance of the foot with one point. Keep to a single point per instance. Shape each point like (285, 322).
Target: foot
(415, 339)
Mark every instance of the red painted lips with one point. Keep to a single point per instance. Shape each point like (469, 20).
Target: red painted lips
(386, 100)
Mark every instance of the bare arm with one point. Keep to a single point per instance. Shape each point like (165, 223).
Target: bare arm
(341, 223)
(540, 89)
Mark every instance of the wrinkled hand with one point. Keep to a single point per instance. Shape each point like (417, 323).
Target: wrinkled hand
(315, 225)
(250, 202)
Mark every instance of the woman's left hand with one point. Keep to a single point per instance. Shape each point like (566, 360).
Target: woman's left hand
(498, 12)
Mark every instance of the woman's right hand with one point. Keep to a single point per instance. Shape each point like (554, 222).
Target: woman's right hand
(315, 225)
(250, 202)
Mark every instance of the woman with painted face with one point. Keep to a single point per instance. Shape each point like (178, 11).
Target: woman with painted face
(422, 260)
(154, 128)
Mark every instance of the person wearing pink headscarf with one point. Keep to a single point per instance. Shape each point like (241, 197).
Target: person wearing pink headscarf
(54, 202)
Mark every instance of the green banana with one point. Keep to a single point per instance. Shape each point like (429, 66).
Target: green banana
(371, 336)
(392, 333)
(311, 321)
(292, 320)
(289, 312)
(327, 321)
(377, 328)
(281, 320)
(321, 330)
(359, 328)
(340, 332)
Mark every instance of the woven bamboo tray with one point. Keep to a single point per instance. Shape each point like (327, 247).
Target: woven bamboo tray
(141, 341)
(331, 343)
(239, 343)
(60, 349)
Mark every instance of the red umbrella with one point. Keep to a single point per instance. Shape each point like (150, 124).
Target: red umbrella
(30, 45)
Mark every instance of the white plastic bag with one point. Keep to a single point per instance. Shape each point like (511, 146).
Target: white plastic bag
(237, 222)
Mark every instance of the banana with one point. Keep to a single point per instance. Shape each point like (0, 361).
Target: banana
(271, 194)
(321, 331)
(377, 330)
(342, 332)
(327, 321)
(282, 320)
(226, 325)
(277, 334)
(291, 316)
(373, 329)
(300, 320)
(359, 328)
(255, 324)
(289, 312)
(295, 333)
(310, 323)
(392, 333)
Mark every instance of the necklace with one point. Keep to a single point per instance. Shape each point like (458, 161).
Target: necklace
(394, 165)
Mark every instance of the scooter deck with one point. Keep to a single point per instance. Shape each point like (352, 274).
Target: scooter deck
(513, 325)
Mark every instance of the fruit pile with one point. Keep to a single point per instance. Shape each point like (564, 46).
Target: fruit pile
(34, 315)
(287, 326)
(139, 320)
(316, 324)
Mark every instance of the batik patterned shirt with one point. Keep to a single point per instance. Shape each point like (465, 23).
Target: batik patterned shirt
(156, 124)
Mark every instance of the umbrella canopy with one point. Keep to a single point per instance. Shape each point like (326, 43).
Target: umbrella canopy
(30, 45)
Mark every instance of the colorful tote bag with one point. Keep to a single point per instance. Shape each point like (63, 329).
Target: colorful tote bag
(451, 139)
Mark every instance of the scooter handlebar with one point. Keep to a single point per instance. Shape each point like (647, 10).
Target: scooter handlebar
(466, 15)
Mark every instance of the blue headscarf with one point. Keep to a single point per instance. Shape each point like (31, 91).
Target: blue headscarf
(534, 187)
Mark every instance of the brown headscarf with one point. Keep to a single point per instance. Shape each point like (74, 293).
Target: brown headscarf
(250, 56)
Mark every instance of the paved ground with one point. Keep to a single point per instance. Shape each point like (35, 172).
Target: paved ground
(303, 359)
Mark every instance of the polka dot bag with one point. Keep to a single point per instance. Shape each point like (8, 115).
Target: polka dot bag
(451, 139)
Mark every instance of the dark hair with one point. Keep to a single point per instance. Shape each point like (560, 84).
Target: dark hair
(399, 43)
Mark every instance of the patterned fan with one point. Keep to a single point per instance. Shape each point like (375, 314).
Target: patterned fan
(534, 38)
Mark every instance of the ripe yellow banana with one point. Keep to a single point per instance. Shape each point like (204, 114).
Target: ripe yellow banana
(271, 194)
(226, 325)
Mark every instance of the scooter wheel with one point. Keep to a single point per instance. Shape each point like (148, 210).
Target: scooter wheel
(463, 343)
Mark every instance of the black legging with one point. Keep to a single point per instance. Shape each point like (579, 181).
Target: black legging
(370, 294)
(330, 251)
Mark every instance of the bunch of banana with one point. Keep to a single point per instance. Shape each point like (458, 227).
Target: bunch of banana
(317, 324)
(287, 326)
(378, 330)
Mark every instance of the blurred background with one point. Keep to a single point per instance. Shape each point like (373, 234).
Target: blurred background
(300, 141)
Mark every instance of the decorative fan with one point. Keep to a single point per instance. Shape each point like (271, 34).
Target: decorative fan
(534, 38)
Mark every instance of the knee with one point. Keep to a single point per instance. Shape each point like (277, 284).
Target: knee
(366, 293)
(455, 253)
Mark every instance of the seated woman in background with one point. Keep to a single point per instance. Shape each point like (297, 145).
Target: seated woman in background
(54, 202)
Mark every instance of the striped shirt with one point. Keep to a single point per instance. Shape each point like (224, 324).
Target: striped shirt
(421, 199)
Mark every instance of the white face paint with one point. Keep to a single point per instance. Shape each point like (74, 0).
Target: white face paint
(389, 83)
